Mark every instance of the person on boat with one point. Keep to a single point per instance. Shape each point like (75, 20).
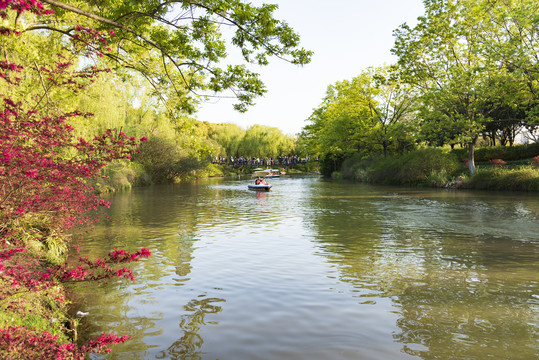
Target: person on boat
(263, 182)
(258, 181)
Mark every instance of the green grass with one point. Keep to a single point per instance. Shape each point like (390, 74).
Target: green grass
(38, 310)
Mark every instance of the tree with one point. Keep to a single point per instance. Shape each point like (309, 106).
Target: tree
(455, 51)
(45, 192)
(177, 46)
(392, 105)
(229, 137)
(367, 115)
(264, 141)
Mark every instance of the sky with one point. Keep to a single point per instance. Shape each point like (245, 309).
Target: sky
(347, 37)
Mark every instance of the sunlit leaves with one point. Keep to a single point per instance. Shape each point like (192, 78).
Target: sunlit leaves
(463, 56)
(179, 46)
(369, 114)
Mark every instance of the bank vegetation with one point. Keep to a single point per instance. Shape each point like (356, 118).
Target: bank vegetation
(463, 93)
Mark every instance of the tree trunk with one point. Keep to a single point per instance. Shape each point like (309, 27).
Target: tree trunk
(471, 160)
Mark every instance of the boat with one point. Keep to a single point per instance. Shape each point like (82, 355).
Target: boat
(266, 173)
(259, 187)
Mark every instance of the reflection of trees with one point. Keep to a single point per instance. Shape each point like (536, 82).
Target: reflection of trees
(189, 345)
(458, 294)
(167, 220)
(461, 314)
(109, 312)
(161, 219)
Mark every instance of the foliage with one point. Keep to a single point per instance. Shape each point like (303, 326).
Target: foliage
(472, 61)
(419, 167)
(121, 175)
(523, 179)
(165, 161)
(20, 343)
(45, 191)
(497, 162)
(509, 153)
(369, 114)
(256, 141)
(178, 46)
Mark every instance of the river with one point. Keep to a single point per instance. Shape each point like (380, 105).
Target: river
(317, 269)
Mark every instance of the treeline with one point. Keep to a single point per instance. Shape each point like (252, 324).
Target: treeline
(175, 148)
(467, 76)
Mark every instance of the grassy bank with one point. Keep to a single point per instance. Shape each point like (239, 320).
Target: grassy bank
(443, 168)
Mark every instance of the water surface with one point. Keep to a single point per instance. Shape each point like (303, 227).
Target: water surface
(317, 269)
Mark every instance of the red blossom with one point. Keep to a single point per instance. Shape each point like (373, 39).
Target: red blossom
(45, 173)
(497, 162)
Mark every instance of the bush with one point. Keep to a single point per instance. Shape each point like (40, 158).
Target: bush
(420, 167)
(508, 153)
(523, 179)
(165, 161)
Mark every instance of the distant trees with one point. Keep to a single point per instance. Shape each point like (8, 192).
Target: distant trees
(255, 141)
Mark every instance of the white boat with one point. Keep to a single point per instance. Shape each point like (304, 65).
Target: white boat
(259, 187)
(266, 173)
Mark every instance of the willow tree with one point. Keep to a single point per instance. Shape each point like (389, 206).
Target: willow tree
(178, 46)
(265, 141)
(454, 52)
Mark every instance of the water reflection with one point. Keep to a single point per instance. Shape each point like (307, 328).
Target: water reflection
(321, 270)
(462, 287)
(190, 344)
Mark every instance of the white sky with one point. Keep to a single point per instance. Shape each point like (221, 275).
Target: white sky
(347, 36)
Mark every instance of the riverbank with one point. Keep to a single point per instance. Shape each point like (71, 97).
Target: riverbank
(444, 169)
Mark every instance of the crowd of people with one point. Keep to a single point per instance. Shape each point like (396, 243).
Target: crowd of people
(257, 161)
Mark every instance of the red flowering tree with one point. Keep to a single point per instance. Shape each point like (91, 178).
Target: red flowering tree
(497, 163)
(45, 189)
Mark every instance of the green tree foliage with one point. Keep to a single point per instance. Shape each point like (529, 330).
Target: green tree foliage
(372, 113)
(264, 141)
(474, 63)
(178, 46)
(229, 137)
(165, 160)
(255, 141)
(165, 57)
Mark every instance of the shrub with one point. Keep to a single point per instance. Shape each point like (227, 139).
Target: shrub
(523, 179)
(419, 167)
(166, 161)
(45, 173)
(497, 162)
(508, 153)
